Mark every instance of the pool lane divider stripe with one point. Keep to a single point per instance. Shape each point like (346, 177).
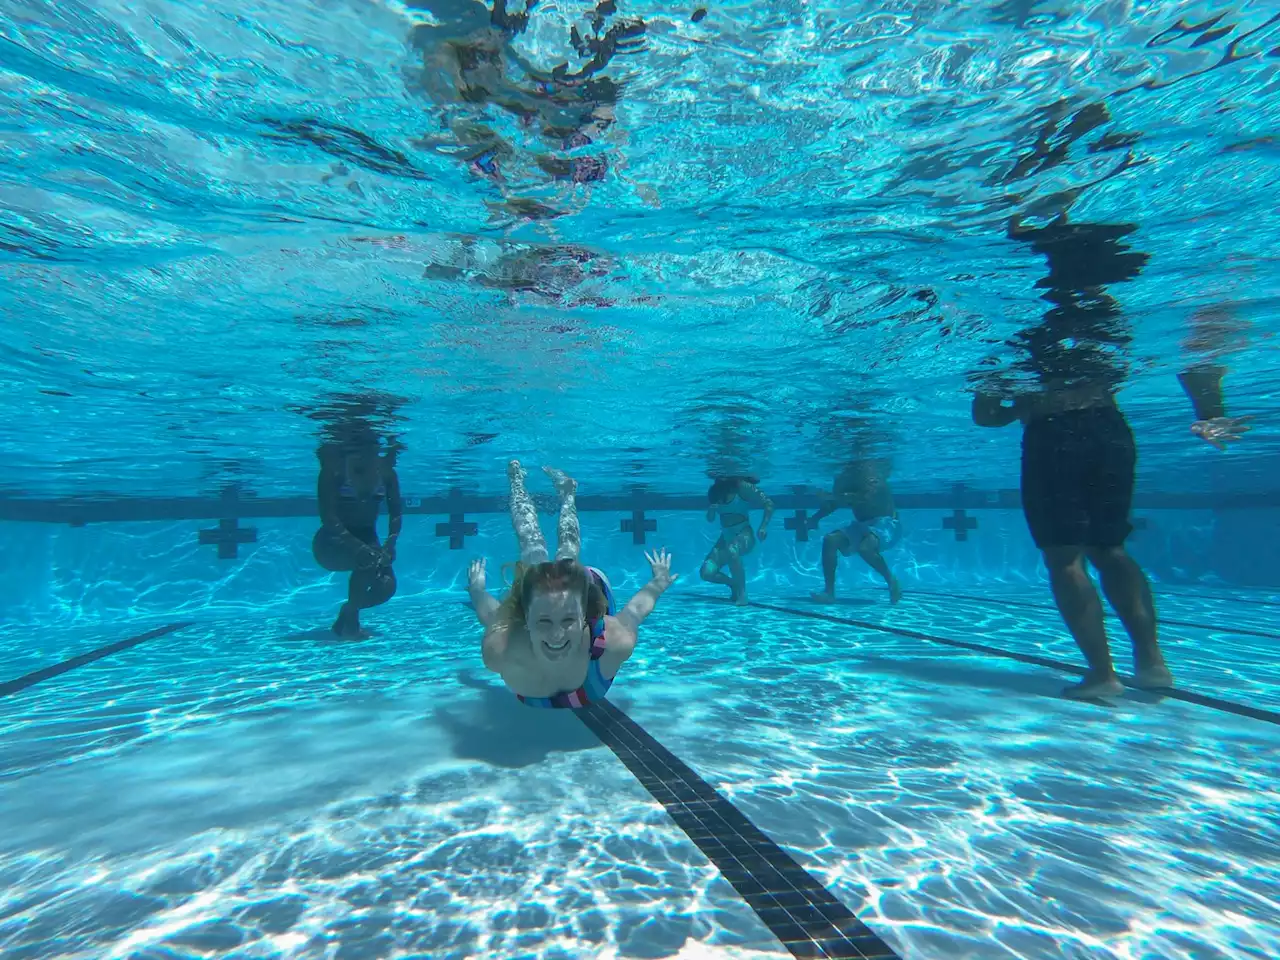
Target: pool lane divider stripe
(1186, 696)
(809, 920)
(57, 669)
(1001, 602)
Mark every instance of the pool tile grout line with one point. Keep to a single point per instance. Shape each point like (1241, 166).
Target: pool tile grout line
(1186, 696)
(808, 919)
(1242, 631)
(56, 670)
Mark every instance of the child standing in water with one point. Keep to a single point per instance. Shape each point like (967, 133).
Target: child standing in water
(557, 639)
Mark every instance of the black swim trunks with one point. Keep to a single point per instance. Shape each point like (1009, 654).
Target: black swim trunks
(1077, 478)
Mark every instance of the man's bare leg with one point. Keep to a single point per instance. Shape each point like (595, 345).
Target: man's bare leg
(832, 544)
(524, 518)
(1081, 609)
(869, 550)
(1129, 594)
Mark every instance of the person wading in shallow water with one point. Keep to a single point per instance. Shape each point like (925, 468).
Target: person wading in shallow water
(863, 487)
(1078, 452)
(354, 482)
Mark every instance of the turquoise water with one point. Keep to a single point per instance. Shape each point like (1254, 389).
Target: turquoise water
(651, 245)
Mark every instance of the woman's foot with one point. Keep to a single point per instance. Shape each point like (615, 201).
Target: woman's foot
(566, 486)
(515, 471)
(823, 597)
(1095, 687)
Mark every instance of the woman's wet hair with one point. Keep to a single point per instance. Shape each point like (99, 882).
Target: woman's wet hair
(564, 574)
(723, 487)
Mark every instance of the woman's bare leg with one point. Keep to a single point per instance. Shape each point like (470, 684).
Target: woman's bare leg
(568, 535)
(524, 518)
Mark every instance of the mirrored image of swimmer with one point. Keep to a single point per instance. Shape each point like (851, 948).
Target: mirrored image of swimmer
(1078, 452)
(354, 482)
(731, 499)
(863, 487)
(557, 639)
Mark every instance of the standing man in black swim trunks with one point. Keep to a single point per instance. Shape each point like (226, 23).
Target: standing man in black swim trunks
(863, 487)
(354, 480)
(1078, 454)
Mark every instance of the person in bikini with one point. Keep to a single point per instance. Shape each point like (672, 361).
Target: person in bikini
(353, 484)
(731, 498)
(863, 487)
(557, 639)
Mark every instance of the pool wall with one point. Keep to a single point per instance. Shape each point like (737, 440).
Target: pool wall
(57, 570)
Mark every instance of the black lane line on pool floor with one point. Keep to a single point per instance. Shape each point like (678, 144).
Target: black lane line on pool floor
(1186, 594)
(803, 914)
(1186, 696)
(57, 669)
(1000, 602)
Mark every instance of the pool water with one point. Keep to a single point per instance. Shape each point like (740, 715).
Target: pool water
(655, 245)
(243, 787)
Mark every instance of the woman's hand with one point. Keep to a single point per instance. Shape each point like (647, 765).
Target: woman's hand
(762, 533)
(475, 576)
(389, 550)
(660, 564)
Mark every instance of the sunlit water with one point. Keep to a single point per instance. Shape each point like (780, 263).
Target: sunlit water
(220, 219)
(224, 229)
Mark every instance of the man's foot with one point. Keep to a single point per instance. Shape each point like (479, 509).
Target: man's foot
(1099, 687)
(1155, 677)
(895, 590)
(823, 597)
(565, 485)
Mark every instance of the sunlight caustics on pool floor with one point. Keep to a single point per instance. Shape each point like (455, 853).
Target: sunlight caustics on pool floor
(244, 785)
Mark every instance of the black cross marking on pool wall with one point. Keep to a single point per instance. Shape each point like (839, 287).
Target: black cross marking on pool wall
(638, 526)
(960, 522)
(228, 534)
(457, 530)
(459, 527)
(800, 524)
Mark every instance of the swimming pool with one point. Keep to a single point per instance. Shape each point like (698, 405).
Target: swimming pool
(246, 785)
(264, 263)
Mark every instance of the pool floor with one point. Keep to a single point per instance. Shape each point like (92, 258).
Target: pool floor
(246, 787)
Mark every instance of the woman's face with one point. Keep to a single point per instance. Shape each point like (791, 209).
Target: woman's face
(557, 625)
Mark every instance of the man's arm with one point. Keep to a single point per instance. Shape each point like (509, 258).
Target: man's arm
(828, 505)
(1202, 384)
